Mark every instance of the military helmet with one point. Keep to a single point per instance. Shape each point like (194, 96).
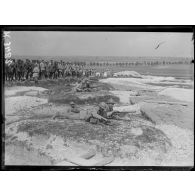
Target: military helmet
(72, 103)
(102, 105)
(110, 101)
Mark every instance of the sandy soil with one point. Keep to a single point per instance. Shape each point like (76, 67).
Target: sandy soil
(145, 80)
(179, 94)
(15, 104)
(32, 137)
(11, 91)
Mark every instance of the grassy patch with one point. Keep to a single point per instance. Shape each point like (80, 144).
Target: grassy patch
(108, 139)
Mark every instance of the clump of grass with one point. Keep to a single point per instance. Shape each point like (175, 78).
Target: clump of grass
(110, 138)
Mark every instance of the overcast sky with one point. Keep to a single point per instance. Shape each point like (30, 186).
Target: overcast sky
(46, 43)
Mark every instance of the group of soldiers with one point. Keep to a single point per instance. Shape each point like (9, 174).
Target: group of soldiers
(20, 70)
(103, 114)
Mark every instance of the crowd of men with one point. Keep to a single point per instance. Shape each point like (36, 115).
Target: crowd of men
(20, 70)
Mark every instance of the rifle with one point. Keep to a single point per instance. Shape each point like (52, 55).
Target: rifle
(116, 117)
(121, 119)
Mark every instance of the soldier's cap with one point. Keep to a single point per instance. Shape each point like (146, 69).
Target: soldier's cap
(102, 105)
(110, 101)
(72, 103)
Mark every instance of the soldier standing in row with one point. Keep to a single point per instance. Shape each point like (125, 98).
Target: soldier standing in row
(12, 71)
(42, 70)
(60, 69)
(7, 72)
(36, 73)
(55, 70)
(20, 69)
(49, 69)
(28, 69)
(46, 70)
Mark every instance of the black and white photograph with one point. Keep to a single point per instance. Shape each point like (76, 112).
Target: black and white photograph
(105, 98)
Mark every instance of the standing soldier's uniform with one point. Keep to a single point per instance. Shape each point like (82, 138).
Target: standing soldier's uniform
(20, 69)
(64, 69)
(50, 69)
(23, 70)
(55, 70)
(12, 71)
(46, 70)
(28, 69)
(36, 73)
(60, 70)
(42, 70)
(15, 72)
(6, 72)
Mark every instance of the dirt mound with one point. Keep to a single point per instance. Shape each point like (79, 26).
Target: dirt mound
(108, 140)
(135, 138)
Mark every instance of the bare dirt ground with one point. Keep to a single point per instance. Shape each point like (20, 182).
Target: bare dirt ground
(151, 133)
